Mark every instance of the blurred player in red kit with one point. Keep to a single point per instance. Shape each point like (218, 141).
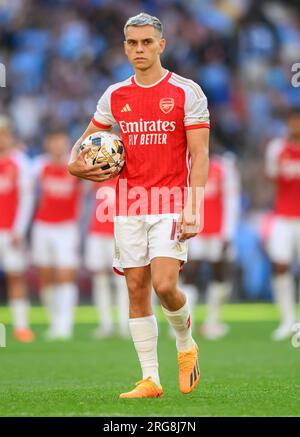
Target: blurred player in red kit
(214, 242)
(99, 251)
(55, 235)
(164, 123)
(283, 167)
(16, 203)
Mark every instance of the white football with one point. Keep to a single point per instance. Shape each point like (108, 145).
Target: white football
(105, 147)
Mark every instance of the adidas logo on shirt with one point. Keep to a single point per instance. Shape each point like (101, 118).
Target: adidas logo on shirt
(126, 108)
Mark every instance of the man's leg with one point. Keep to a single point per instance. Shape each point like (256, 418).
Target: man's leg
(174, 304)
(217, 293)
(98, 261)
(102, 298)
(281, 246)
(47, 287)
(19, 305)
(284, 296)
(41, 248)
(164, 272)
(122, 303)
(143, 329)
(64, 302)
(188, 284)
(65, 252)
(14, 266)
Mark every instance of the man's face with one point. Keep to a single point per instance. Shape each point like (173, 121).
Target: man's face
(57, 145)
(5, 140)
(143, 46)
(294, 126)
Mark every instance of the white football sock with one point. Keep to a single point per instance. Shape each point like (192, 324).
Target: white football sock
(191, 293)
(216, 295)
(144, 332)
(180, 321)
(122, 302)
(19, 309)
(46, 296)
(284, 296)
(103, 300)
(64, 301)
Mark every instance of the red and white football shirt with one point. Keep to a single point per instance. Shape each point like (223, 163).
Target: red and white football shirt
(283, 165)
(221, 198)
(153, 121)
(16, 196)
(59, 192)
(102, 220)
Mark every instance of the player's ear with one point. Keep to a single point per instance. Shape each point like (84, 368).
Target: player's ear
(162, 45)
(124, 43)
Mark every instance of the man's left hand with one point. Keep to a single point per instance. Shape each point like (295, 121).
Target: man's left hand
(188, 224)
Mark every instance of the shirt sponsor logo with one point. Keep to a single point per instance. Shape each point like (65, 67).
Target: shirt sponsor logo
(147, 126)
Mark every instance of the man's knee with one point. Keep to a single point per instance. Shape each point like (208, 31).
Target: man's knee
(137, 289)
(164, 288)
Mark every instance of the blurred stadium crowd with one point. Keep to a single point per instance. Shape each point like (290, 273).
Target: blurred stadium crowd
(60, 55)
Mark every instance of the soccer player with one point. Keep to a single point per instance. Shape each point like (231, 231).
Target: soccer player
(164, 122)
(16, 203)
(99, 253)
(214, 243)
(283, 167)
(55, 235)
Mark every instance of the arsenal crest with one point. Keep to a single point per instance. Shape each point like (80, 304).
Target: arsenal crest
(166, 105)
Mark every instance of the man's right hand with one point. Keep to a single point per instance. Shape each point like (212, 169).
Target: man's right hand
(78, 167)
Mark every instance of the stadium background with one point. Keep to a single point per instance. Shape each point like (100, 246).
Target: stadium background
(61, 55)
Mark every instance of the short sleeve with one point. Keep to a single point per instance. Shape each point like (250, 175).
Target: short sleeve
(196, 114)
(271, 164)
(103, 117)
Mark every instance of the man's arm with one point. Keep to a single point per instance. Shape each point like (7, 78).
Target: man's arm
(198, 147)
(103, 120)
(77, 165)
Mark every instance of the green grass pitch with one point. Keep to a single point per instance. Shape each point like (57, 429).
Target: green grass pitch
(244, 374)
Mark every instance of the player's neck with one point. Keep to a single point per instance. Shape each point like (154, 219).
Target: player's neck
(150, 76)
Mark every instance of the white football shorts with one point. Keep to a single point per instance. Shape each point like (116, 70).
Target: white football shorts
(284, 242)
(55, 245)
(99, 252)
(12, 259)
(139, 239)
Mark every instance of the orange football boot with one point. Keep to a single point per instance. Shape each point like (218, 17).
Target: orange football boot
(145, 388)
(24, 335)
(189, 372)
